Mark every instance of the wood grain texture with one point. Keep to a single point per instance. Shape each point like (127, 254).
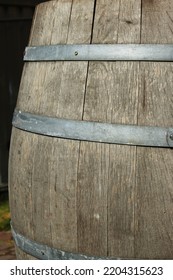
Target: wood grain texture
(48, 195)
(121, 193)
(154, 228)
(92, 198)
(20, 183)
(111, 96)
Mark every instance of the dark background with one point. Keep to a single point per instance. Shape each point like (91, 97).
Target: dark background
(15, 24)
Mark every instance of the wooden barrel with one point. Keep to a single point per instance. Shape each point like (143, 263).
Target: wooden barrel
(74, 197)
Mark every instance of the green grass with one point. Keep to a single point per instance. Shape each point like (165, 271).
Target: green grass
(4, 215)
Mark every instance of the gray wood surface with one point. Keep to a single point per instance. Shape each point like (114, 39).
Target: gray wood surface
(44, 89)
(111, 96)
(92, 198)
(154, 174)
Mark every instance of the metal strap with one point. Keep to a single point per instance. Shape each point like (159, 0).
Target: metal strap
(44, 252)
(94, 131)
(100, 52)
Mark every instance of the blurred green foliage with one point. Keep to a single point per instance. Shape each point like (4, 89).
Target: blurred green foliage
(4, 215)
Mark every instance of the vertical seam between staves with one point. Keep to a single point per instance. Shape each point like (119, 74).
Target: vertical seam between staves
(88, 63)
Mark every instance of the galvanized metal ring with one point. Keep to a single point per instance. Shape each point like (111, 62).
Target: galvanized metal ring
(44, 252)
(100, 52)
(151, 136)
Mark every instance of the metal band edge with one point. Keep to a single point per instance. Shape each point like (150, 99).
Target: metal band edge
(100, 52)
(44, 252)
(151, 136)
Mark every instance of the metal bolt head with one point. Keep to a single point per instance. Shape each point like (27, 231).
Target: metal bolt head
(76, 53)
(171, 136)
